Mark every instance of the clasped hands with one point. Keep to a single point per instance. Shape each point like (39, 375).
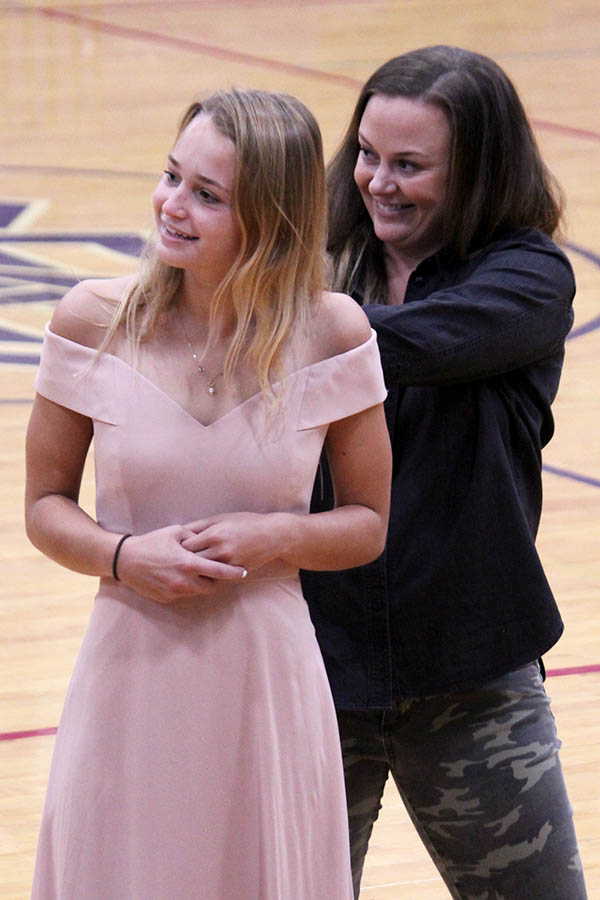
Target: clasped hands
(181, 561)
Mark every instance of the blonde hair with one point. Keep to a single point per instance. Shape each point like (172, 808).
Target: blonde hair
(279, 201)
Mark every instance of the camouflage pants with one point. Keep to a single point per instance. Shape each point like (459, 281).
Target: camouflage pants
(480, 776)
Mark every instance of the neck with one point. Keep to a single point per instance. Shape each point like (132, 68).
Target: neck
(399, 262)
(195, 305)
(399, 266)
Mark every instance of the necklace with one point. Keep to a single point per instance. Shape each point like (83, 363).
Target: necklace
(210, 379)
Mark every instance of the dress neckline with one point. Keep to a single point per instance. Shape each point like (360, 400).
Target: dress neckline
(284, 382)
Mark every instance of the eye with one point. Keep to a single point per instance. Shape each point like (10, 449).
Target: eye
(170, 177)
(206, 196)
(407, 165)
(365, 152)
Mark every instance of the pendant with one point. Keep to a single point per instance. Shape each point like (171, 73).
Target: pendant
(210, 382)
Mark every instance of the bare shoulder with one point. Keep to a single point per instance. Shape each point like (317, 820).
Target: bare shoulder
(339, 325)
(86, 311)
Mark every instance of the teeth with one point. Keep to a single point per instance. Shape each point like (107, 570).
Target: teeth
(392, 207)
(179, 234)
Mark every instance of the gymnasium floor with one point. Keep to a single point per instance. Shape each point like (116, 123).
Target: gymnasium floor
(91, 93)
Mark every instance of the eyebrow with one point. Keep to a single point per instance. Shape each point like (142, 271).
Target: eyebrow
(203, 178)
(365, 140)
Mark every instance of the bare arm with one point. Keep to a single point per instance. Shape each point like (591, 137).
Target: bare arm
(350, 535)
(354, 532)
(358, 448)
(155, 564)
(57, 445)
(58, 440)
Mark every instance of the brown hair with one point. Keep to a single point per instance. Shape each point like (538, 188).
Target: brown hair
(497, 179)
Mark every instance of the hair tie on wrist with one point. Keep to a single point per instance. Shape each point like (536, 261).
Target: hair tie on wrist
(116, 556)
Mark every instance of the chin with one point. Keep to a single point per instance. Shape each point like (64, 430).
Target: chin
(389, 234)
(165, 257)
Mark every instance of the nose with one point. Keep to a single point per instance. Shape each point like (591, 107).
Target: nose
(174, 204)
(382, 181)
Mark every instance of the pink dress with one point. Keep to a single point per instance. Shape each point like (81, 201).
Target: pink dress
(197, 756)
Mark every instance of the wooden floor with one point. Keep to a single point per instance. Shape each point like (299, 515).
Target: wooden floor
(90, 97)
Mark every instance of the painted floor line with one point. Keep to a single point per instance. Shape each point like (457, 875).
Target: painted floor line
(551, 673)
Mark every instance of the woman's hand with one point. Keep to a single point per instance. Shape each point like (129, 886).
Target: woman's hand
(154, 564)
(245, 539)
(158, 565)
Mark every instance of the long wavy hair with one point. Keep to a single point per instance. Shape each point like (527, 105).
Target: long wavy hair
(497, 179)
(279, 201)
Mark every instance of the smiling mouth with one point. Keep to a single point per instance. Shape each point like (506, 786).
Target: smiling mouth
(391, 208)
(179, 234)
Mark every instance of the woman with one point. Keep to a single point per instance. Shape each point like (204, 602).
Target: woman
(197, 751)
(441, 218)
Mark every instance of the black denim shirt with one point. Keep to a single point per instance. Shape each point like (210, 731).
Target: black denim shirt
(472, 362)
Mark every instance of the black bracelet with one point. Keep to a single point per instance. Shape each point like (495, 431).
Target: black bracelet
(116, 556)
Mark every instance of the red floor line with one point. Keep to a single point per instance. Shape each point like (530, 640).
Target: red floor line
(204, 4)
(196, 46)
(42, 732)
(573, 670)
(566, 129)
(249, 59)
(35, 732)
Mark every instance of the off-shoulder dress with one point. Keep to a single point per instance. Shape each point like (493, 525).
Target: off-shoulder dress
(197, 756)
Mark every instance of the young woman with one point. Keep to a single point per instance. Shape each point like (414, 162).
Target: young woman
(198, 754)
(441, 219)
